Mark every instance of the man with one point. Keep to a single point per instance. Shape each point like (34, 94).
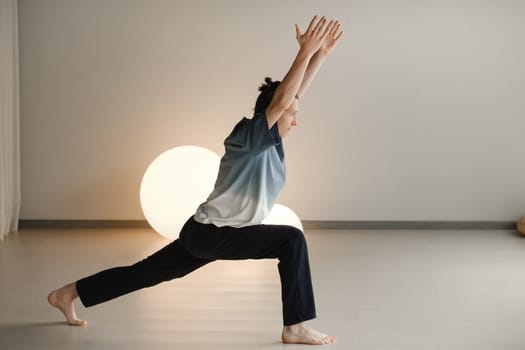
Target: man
(228, 225)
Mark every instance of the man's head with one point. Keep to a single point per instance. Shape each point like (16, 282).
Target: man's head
(289, 117)
(267, 90)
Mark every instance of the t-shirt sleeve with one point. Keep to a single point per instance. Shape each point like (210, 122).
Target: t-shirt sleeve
(253, 135)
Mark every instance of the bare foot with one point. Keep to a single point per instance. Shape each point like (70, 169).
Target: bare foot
(63, 299)
(302, 334)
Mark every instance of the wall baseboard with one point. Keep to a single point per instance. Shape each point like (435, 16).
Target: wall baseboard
(410, 225)
(74, 224)
(308, 224)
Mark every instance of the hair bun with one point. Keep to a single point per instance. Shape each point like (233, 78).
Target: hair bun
(267, 90)
(267, 84)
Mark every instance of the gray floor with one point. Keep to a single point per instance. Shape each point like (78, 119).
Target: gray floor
(374, 289)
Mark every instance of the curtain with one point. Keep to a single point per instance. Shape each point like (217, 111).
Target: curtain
(9, 119)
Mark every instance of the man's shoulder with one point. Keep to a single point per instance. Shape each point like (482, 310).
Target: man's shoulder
(245, 125)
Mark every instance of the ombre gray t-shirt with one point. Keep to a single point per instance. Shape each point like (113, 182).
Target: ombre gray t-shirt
(251, 176)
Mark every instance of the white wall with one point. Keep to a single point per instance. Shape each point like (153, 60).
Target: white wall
(417, 116)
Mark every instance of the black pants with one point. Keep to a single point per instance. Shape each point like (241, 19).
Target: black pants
(200, 244)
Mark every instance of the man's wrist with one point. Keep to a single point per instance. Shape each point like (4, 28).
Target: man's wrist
(321, 54)
(305, 54)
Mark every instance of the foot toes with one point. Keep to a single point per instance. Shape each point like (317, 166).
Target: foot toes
(329, 340)
(78, 323)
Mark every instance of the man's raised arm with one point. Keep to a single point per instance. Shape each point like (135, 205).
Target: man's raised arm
(327, 47)
(310, 42)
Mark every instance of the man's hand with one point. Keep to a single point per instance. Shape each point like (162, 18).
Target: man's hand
(331, 40)
(328, 45)
(304, 67)
(314, 37)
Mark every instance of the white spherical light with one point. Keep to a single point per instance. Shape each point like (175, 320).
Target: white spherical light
(174, 185)
(282, 215)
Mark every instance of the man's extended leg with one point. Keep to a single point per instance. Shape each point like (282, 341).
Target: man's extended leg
(172, 261)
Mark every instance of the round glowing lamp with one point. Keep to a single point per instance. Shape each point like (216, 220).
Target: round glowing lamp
(174, 185)
(282, 215)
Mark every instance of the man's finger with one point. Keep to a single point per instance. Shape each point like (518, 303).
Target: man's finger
(311, 23)
(328, 29)
(335, 28)
(319, 26)
(298, 31)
